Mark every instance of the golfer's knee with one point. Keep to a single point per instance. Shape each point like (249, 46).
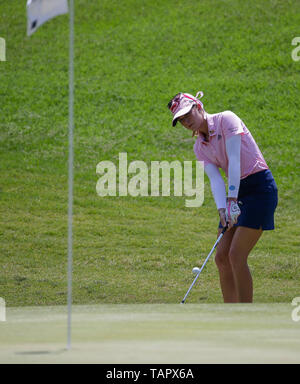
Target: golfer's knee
(236, 259)
(222, 259)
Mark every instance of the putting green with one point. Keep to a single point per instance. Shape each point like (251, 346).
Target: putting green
(189, 333)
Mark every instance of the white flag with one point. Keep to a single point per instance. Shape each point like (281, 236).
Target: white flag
(39, 11)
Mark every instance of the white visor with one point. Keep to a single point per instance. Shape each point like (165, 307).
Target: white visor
(182, 112)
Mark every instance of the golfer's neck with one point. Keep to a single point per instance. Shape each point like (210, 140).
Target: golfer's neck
(204, 128)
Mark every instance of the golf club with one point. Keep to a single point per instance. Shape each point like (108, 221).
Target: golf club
(197, 270)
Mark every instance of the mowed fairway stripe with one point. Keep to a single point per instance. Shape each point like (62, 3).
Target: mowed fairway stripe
(190, 333)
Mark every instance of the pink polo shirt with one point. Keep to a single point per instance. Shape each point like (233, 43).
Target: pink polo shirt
(222, 126)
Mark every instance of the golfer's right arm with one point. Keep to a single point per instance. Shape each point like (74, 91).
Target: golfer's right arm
(218, 189)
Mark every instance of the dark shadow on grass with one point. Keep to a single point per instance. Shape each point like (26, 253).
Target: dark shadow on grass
(41, 352)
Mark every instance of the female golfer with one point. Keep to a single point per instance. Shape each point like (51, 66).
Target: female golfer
(223, 141)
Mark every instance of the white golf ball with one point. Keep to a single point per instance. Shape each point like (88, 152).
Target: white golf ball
(196, 270)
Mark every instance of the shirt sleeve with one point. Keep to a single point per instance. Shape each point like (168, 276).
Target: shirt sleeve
(231, 124)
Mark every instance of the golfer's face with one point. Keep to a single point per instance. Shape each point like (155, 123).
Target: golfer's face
(192, 120)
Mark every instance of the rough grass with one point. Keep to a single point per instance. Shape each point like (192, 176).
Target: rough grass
(130, 59)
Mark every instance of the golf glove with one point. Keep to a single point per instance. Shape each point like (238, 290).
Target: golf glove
(232, 211)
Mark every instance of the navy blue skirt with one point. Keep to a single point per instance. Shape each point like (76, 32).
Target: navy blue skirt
(257, 199)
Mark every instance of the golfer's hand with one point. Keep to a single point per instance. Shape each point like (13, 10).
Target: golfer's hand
(232, 212)
(222, 214)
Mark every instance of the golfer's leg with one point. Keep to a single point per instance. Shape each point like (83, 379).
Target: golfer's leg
(225, 270)
(243, 241)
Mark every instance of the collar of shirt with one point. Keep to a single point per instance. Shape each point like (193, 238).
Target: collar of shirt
(211, 128)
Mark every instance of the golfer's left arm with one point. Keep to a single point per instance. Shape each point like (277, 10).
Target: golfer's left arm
(233, 150)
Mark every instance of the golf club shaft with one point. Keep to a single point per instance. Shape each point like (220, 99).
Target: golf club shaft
(198, 274)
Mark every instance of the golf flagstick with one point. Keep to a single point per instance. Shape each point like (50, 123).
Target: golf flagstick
(71, 173)
(198, 274)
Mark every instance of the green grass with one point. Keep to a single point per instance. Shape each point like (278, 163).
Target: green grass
(130, 59)
(152, 334)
